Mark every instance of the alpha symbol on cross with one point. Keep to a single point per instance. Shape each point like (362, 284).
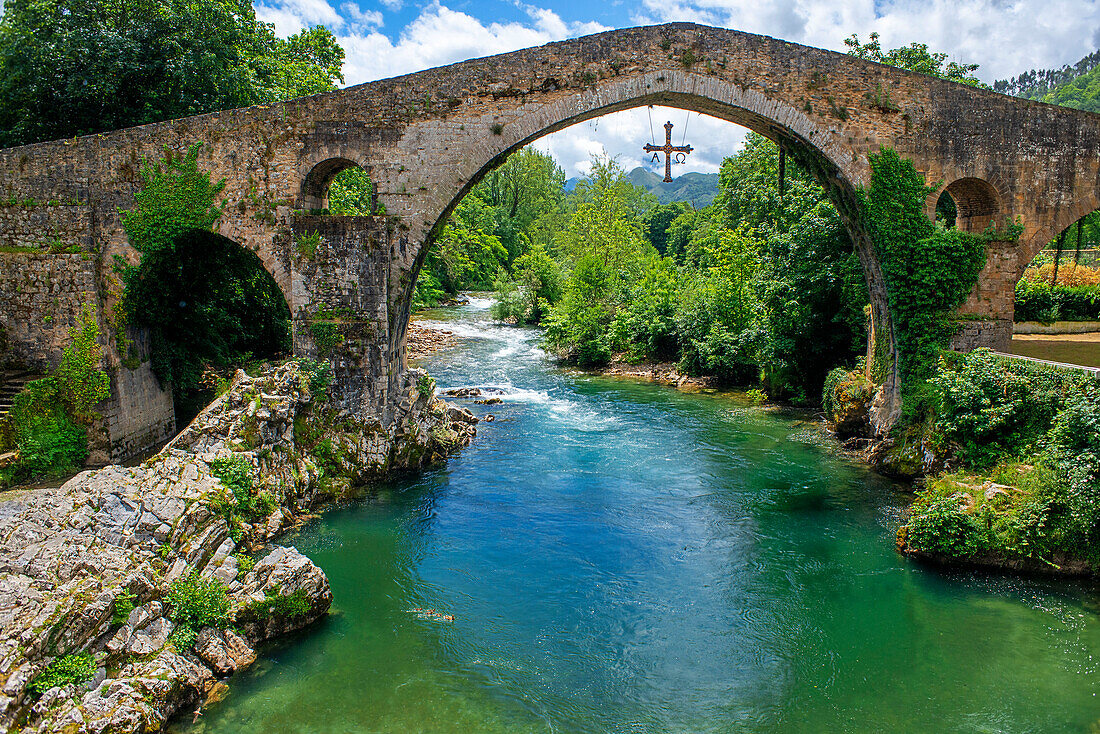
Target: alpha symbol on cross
(669, 149)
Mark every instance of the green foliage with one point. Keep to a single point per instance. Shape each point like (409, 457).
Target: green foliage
(50, 415)
(196, 602)
(326, 335)
(350, 194)
(237, 475)
(914, 57)
(515, 205)
(942, 527)
(1038, 301)
(124, 604)
(309, 62)
(319, 377)
(207, 302)
(844, 387)
(245, 562)
(425, 385)
(928, 271)
(536, 287)
(276, 605)
(308, 243)
(1076, 86)
(74, 67)
(993, 408)
(717, 315)
(65, 670)
(995, 414)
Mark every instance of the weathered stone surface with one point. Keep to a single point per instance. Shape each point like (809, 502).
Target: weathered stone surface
(67, 554)
(223, 650)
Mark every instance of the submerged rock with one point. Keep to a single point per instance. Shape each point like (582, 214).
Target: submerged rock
(86, 568)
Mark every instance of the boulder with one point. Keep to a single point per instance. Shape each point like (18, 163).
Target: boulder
(223, 650)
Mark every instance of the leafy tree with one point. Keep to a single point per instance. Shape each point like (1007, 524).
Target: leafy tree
(309, 62)
(809, 280)
(350, 193)
(656, 223)
(914, 57)
(74, 67)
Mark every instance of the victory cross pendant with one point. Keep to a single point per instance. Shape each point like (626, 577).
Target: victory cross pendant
(680, 151)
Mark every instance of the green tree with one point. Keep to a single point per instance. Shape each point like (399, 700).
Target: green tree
(74, 67)
(914, 57)
(309, 62)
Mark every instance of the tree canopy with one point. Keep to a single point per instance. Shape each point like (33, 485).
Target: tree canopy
(914, 57)
(75, 67)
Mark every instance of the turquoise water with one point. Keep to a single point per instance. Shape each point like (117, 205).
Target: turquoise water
(624, 557)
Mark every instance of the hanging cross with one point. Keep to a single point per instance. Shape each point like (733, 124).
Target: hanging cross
(668, 149)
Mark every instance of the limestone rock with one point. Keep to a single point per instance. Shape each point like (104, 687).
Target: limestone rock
(223, 650)
(68, 554)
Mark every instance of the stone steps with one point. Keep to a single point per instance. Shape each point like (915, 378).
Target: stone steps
(13, 383)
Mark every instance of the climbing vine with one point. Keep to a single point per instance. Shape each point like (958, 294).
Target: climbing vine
(207, 303)
(928, 270)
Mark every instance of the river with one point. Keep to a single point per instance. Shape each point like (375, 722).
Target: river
(614, 556)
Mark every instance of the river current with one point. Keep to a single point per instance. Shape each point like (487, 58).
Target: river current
(615, 556)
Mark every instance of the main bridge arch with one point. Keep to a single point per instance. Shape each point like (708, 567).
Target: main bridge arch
(425, 138)
(803, 135)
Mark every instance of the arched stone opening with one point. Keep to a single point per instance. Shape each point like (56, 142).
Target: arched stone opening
(318, 181)
(804, 137)
(209, 306)
(975, 203)
(947, 213)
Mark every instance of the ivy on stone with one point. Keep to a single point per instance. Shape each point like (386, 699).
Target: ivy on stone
(928, 270)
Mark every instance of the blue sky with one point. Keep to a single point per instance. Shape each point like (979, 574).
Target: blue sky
(384, 38)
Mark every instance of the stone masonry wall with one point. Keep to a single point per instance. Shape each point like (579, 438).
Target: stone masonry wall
(41, 296)
(342, 268)
(46, 226)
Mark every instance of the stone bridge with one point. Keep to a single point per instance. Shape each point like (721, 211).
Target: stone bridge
(427, 138)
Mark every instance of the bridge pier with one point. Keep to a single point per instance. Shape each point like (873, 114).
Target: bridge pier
(344, 308)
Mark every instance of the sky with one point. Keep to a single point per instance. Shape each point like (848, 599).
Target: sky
(384, 38)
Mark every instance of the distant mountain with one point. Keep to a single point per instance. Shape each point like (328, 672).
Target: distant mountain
(1076, 86)
(696, 188)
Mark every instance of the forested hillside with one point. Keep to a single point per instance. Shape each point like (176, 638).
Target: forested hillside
(1076, 86)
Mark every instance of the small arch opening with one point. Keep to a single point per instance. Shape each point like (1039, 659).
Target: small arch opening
(946, 212)
(974, 202)
(341, 187)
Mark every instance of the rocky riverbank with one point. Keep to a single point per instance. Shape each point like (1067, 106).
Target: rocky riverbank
(662, 373)
(423, 340)
(90, 639)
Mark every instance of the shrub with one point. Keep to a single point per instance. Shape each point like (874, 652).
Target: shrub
(236, 474)
(425, 385)
(318, 376)
(124, 604)
(1038, 301)
(281, 606)
(196, 602)
(992, 407)
(68, 669)
(942, 527)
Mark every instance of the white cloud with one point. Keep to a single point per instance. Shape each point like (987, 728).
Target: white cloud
(362, 18)
(291, 16)
(1005, 37)
(441, 36)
